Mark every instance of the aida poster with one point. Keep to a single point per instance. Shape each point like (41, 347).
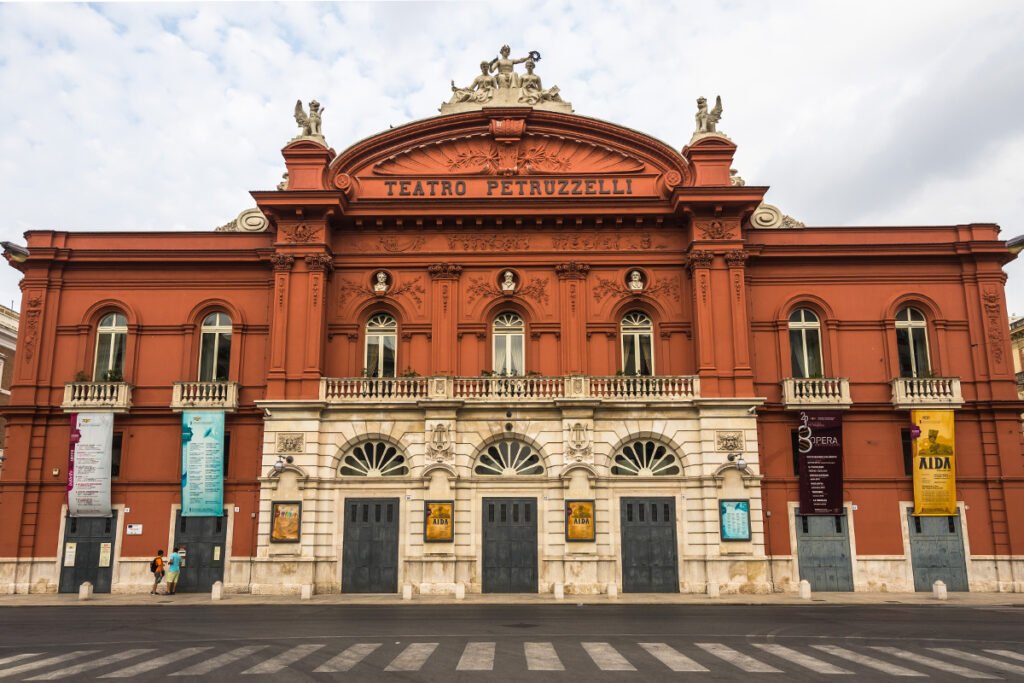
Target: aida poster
(579, 520)
(934, 464)
(202, 463)
(286, 517)
(438, 526)
(92, 436)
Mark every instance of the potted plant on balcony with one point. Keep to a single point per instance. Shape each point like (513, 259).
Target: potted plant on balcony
(113, 376)
(81, 376)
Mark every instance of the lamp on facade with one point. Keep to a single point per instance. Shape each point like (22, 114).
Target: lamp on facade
(737, 459)
(282, 462)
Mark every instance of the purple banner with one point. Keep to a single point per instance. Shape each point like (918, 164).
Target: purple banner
(820, 449)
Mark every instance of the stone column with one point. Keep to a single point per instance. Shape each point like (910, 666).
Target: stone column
(279, 324)
(572, 279)
(320, 267)
(443, 302)
(736, 261)
(700, 273)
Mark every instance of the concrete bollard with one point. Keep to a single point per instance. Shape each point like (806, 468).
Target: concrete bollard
(613, 590)
(85, 591)
(218, 591)
(713, 590)
(939, 590)
(407, 591)
(306, 591)
(805, 590)
(460, 591)
(559, 591)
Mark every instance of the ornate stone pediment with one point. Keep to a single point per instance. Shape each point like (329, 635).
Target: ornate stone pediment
(535, 155)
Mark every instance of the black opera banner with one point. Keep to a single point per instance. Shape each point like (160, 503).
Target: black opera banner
(820, 450)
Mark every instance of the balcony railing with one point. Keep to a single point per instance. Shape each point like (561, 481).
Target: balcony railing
(526, 388)
(110, 396)
(214, 395)
(821, 392)
(926, 392)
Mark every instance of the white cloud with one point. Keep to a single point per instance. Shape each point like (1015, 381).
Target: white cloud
(137, 117)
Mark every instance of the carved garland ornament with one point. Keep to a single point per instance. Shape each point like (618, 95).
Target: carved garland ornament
(536, 289)
(301, 233)
(995, 322)
(32, 316)
(611, 288)
(716, 230)
(412, 288)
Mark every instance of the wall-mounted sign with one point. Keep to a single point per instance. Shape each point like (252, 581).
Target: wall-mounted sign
(579, 520)
(134, 530)
(105, 551)
(286, 521)
(439, 521)
(89, 457)
(202, 463)
(934, 464)
(820, 451)
(734, 516)
(70, 551)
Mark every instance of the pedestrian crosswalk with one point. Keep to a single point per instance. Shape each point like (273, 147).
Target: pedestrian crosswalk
(738, 657)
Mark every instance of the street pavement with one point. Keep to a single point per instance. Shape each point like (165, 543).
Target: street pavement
(488, 642)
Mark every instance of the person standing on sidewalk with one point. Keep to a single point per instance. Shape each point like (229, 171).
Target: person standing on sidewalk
(157, 567)
(173, 571)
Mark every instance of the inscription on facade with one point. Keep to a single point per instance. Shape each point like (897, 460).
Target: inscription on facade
(561, 187)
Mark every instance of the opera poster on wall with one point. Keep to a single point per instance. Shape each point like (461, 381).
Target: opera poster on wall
(735, 519)
(439, 521)
(89, 455)
(202, 463)
(579, 520)
(934, 464)
(820, 450)
(286, 521)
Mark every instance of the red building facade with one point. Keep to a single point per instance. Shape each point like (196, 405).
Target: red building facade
(541, 320)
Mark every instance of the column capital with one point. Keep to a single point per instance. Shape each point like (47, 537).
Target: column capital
(445, 271)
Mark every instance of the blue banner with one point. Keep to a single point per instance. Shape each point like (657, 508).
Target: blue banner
(202, 463)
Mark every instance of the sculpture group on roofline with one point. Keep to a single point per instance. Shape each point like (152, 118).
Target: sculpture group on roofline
(500, 85)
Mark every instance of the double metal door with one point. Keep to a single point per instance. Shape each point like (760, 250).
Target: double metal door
(204, 540)
(88, 553)
(369, 557)
(650, 561)
(823, 551)
(510, 545)
(937, 552)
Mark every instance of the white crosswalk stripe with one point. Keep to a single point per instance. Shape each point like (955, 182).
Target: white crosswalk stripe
(978, 659)
(932, 662)
(806, 661)
(347, 659)
(18, 658)
(219, 661)
(477, 657)
(738, 659)
(42, 663)
(542, 657)
(859, 658)
(607, 657)
(155, 663)
(670, 657)
(283, 660)
(1007, 653)
(412, 657)
(90, 665)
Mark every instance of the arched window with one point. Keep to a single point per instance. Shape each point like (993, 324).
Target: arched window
(912, 342)
(381, 342)
(111, 340)
(374, 459)
(645, 459)
(805, 343)
(508, 458)
(215, 348)
(508, 344)
(637, 344)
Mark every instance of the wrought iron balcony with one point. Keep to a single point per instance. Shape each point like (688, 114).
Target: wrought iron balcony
(820, 392)
(503, 389)
(106, 396)
(909, 393)
(213, 395)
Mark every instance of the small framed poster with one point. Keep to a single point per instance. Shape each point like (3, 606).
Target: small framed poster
(286, 521)
(579, 520)
(438, 521)
(734, 518)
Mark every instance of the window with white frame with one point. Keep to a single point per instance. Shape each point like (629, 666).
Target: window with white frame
(111, 340)
(912, 342)
(381, 345)
(508, 333)
(805, 343)
(215, 348)
(637, 344)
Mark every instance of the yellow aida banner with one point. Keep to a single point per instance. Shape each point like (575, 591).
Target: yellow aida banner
(934, 464)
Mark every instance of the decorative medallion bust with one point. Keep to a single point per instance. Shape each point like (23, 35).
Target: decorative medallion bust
(636, 281)
(508, 282)
(381, 283)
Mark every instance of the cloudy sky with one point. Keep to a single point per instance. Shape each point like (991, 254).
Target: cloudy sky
(163, 117)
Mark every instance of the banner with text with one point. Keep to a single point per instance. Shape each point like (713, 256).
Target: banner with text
(202, 463)
(89, 455)
(820, 450)
(934, 464)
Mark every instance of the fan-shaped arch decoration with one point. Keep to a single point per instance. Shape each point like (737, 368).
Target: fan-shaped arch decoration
(508, 459)
(374, 459)
(644, 458)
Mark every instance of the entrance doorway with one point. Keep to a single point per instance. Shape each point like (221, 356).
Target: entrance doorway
(88, 553)
(203, 560)
(650, 561)
(823, 551)
(369, 557)
(510, 545)
(937, 552)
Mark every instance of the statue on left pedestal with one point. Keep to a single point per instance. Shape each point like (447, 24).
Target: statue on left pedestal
(310, 124)
(480, 90)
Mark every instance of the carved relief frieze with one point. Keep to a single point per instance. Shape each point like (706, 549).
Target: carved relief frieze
(33, 313)
(604, 242)
(994, 321)
(489, 242)
(611, 288)
(578, 444)
(728, 441)
(291, 442)
(536, 289)
(394, 244)
(439, 445)
(715, 230)
(303, 232)
(412, 288)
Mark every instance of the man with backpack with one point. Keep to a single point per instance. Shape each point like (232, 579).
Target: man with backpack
(157, 567)
(173, 570)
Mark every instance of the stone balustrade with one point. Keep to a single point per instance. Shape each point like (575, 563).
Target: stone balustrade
(909, 393)
(213, 395)
(84, 396)
(816, 392)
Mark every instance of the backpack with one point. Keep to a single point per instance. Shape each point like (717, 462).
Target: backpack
(152, 566)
